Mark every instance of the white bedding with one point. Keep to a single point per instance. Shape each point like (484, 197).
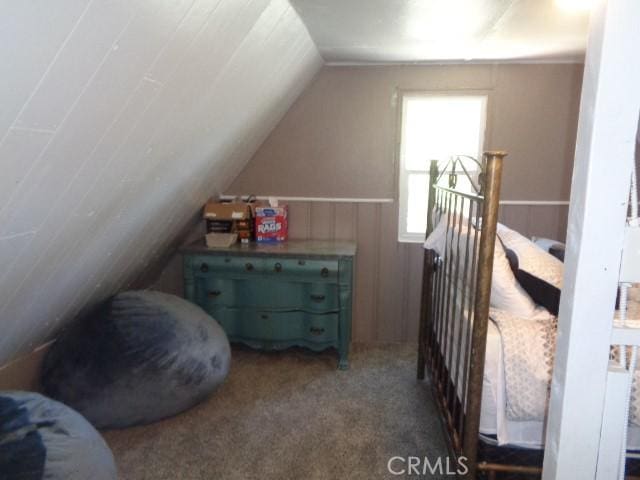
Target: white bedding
(493, 418)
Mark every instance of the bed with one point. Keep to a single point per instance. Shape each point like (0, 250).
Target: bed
(471, 306)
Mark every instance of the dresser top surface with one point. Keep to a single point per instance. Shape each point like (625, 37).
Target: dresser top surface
(290, 248)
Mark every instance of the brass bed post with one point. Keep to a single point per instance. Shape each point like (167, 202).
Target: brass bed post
(425, 304)
(491, 193)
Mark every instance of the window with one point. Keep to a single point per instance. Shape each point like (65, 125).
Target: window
(434, 127)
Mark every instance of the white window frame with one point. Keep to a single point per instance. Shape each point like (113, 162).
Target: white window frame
(403, 172)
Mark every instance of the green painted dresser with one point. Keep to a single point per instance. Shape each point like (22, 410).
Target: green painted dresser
(275, 296)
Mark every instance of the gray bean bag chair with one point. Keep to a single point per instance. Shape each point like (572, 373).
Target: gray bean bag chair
(44, 439)
(139, 357)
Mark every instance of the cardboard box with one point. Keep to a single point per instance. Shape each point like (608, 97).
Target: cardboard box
(220, 240)
(271, 223)
(227, 211)
(227, 221)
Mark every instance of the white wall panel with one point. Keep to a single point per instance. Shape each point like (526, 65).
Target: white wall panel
(145, 110)
(231, 116)
(18, 150)
(227, 169)
(79, 60)
(40, 28)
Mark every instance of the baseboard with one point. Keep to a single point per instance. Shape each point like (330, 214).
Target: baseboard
(23, 373)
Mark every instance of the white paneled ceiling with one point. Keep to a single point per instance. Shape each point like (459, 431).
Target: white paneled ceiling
(353, 31)
(119, 119)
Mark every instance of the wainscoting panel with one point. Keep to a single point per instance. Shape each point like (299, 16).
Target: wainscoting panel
(388, 273)
(367, 220)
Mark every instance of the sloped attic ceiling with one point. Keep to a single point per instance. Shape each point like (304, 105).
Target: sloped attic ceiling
(119, 119)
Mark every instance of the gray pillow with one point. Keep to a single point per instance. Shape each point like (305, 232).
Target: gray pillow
(554, 247)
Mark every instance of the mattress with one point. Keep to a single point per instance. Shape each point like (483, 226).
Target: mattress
(494, 424)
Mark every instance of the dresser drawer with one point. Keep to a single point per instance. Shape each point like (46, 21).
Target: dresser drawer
(309, 270)
(254, 324)
(263, 292)
(226, 265)
(280, 268)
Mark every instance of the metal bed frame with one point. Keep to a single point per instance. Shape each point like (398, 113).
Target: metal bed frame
(454, 357)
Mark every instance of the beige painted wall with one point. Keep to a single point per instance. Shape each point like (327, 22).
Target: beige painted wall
(339, 138)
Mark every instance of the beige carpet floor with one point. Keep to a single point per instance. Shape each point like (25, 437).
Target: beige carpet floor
(293, 415)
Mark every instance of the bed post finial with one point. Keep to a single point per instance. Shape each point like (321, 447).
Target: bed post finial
(494, 155)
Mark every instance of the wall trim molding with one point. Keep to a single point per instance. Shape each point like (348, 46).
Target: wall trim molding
(23, 372)
(314, 199)
(22, 357)
(537, 203)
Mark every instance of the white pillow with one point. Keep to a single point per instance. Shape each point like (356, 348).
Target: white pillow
(436, 239)
(531, 258)
(506, 292)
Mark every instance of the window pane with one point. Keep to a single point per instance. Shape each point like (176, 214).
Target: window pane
(436, 128)
(418, 184)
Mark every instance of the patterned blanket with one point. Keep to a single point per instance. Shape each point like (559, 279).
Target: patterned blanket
(528, 347)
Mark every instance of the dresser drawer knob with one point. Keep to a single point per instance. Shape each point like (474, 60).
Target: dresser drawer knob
(214, 293)
(264, 316)
(324, 272)
(248, 267)
(277, 267)
(204, 268)
(317, 298)
(316, 330)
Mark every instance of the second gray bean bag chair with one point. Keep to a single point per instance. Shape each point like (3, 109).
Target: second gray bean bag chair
(44, 439)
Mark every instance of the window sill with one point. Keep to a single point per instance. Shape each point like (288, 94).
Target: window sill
(411, 238)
